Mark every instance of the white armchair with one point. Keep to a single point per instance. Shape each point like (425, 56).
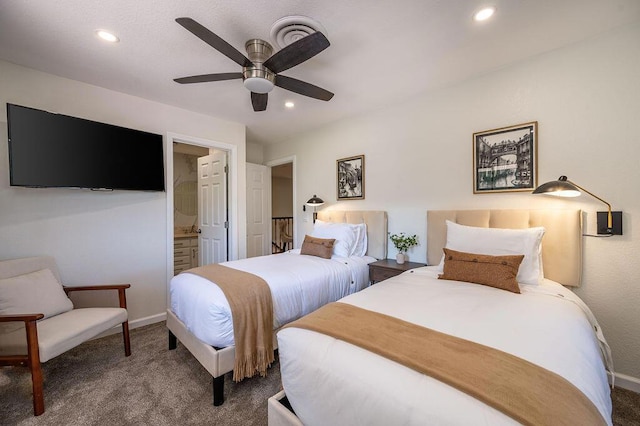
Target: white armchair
(38, 321)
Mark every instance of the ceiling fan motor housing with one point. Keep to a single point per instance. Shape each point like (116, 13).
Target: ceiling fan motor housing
(257, 78)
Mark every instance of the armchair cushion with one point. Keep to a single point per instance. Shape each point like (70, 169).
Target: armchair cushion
(60, 333)
(37, 292)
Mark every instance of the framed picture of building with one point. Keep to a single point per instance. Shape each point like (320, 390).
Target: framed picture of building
(505, 159)
(350, 178)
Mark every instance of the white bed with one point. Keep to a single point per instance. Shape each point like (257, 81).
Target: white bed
(329, 381)
(299, 285)
(200, 316)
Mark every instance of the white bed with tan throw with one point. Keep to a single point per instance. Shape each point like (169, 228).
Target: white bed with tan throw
(264, 293)
(489, 335)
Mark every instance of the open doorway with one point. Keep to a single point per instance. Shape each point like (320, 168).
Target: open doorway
(200, 217)
(283, 205)
(185, 205)
(181, 199)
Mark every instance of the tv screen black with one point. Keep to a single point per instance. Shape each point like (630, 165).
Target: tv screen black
(55, 150)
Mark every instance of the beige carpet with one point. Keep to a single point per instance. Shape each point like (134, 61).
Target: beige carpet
(94, 384)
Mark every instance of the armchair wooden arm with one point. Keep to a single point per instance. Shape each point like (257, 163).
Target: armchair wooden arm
(21, 317)
(32, 337)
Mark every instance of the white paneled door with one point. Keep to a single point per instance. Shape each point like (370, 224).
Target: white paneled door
(258, 210)
(212, 208)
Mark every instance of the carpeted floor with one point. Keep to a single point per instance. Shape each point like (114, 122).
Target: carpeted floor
(94, 384)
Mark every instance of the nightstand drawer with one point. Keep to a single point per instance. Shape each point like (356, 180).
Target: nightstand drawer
(379, 274)
(387, 268)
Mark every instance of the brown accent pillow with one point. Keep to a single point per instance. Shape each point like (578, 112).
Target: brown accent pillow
(321, 247)
(493, 271)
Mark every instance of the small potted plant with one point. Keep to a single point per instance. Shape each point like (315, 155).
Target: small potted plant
(402, 243)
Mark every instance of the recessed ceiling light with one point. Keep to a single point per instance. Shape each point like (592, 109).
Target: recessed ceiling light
(289, 104)
(484, 13)
(107, 36)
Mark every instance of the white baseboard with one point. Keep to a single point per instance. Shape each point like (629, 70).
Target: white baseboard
(627, 382)
(140, 322)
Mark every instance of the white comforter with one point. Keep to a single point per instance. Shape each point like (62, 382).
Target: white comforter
(299, 285)
(329, 381)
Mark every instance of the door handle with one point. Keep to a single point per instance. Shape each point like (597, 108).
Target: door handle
(199, 231)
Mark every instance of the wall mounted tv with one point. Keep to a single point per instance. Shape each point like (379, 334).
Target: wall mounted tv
(55, 150)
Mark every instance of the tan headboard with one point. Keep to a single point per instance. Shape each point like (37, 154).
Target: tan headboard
(376, 221)
(561, 244)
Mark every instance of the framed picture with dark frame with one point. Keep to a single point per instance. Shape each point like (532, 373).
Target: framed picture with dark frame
(505, 159)
(350, 178)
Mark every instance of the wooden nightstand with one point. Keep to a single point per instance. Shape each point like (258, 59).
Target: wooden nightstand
(387, 268)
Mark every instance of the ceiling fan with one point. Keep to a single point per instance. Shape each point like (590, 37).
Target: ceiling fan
(260, 70)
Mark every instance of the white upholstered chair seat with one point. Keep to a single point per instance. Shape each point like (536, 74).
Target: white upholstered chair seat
(60, 333)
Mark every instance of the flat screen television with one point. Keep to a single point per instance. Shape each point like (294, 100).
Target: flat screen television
(55, 150)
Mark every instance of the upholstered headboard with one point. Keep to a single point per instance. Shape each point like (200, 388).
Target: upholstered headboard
(376, 221)
(561, 244)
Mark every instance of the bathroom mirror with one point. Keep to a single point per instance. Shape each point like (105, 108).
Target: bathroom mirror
(185, 198)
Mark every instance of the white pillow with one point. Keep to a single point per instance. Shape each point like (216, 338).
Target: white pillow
(360, 248)
(33, 293)
(499, 241)
(346, 236)
(361, 245)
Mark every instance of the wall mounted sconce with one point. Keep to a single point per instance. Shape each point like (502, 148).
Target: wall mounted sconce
(609, 223)
(313, 202)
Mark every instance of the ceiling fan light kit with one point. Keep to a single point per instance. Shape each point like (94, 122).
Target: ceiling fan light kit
(261, 68)
(256, 77)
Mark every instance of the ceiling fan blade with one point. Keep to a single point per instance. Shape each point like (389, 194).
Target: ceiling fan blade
(297, 52)
(208, 77)
(214, 41)
(259, 101)
(303, 88)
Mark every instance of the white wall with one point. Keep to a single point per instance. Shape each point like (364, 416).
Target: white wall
(281, 196)
(99, 237)
(418, 156)
(254, 153)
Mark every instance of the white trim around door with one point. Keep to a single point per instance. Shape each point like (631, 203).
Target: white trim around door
(291, 159)
(234, 217)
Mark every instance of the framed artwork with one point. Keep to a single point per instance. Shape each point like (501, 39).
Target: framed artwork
(505, 159)
(350, 178)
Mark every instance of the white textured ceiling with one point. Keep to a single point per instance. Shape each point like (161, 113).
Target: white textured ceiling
(382, 52)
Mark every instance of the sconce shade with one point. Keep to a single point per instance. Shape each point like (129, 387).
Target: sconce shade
(315, 201)
(559, 188)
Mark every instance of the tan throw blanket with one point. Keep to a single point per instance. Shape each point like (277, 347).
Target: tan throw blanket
(524, 391)
(252, 310)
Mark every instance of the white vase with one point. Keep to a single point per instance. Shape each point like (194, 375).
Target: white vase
(400, 258)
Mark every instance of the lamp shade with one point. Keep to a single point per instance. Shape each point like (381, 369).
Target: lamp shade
(565, 188)
(560, 188)
(315, 201)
